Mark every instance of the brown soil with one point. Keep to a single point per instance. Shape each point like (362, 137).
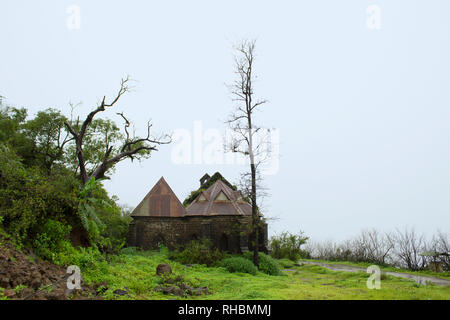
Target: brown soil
(23, 276)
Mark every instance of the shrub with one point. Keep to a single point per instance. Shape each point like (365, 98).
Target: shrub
(164, 251)
(131, 251)
(287, 245)
(81, 257)
(50, 241)
(286, 263)
(102, 218)
(267, 264)
(238, 264)
(198, 252)
(53, 244)
(29, 197)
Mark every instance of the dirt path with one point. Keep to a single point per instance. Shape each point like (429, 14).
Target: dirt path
(419, 279)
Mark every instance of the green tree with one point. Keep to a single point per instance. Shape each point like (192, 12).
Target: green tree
(48, 133)
(11, 132)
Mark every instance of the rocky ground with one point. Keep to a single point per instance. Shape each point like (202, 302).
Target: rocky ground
(176, 285)
(25, 277)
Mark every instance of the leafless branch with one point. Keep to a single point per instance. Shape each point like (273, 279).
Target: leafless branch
(131, 147)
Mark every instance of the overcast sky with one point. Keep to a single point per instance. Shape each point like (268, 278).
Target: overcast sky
(359, 93)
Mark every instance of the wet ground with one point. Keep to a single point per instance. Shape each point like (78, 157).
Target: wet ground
(423, 280)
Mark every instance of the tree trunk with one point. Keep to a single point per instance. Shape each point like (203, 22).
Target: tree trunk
(255, 218)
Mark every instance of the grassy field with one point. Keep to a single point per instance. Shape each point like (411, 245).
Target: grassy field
(136, 270)
(443, 275)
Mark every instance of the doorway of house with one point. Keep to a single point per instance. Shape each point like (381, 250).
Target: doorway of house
(223, 242)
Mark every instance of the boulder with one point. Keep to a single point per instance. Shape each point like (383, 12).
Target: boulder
(122, 292)
(200, 291)
(4, 282)
(163, 268)
(101, 287)
(172, 290)
(9, 293)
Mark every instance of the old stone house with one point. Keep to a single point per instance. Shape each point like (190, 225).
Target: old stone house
(218, 212)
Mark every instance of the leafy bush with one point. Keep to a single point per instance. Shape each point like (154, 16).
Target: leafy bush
(164, 251)
(87, 210)
(82, 257)
(287, 245)
(102, 218)
(198, 252)
(286, 263)
(52, 244)
(2, 294)
(238, 264)
(50, 241)
(267, 264)
(132, 251)
(28, 197)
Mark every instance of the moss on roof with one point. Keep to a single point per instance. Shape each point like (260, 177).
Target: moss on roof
(194, 194)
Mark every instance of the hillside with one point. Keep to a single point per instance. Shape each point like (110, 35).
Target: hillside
(24, 276)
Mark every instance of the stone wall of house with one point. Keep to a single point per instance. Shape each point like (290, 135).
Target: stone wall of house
(229, 233)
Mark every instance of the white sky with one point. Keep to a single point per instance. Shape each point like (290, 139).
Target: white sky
(363, 115)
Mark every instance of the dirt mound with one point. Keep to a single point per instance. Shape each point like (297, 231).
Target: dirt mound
(24, 276)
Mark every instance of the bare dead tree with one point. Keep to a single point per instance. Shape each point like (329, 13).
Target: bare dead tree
(440, 246)
(132, 147)
(241, 122)
(372, 246)
(408, 248)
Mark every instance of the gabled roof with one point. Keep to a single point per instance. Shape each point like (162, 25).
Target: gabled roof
(219, 199)
(205, 184)
(161, 201)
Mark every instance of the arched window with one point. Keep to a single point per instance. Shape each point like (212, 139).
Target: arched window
(140, 230)
(159, 240)
(223, 242)
(193, 237)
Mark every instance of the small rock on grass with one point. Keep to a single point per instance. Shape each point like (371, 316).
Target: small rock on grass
(163, 268)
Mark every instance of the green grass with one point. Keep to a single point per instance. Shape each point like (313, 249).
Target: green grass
(136, 270)
(443, 275)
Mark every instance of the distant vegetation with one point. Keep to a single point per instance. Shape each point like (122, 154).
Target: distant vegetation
(288, 246)
(402, 249)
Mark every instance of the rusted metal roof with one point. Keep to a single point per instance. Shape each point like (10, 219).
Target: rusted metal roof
(219, 199)
(161, 201)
